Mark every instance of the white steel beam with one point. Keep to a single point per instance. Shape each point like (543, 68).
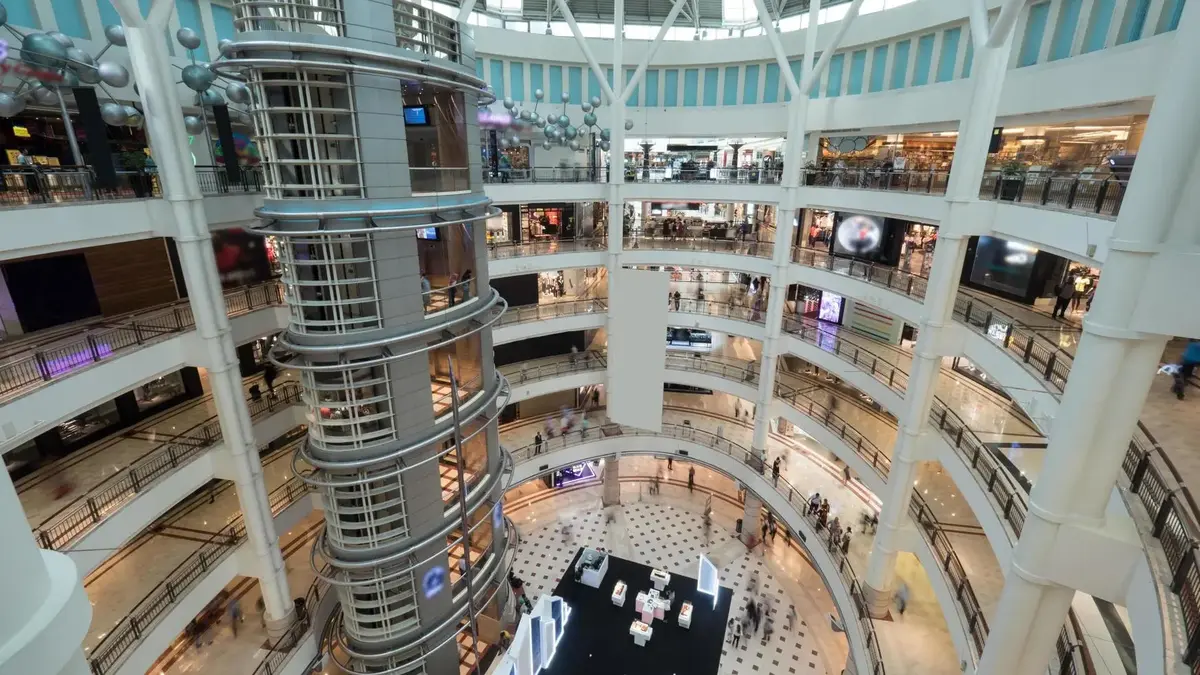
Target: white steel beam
(1005, 21)
(464, 12)
(587, 53)
(813, 76)
(979, 22)
(768, 26)
(662, 33)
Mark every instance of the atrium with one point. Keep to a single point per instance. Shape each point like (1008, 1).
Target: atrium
(495, 337)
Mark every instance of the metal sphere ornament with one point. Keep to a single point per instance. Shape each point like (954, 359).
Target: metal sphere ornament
(193, 124)
(224, 46)
(549, 131)
(574, 144)
(39, 49)
(503, 142)
(605, 145)
(559, 133)
(563, 121)
(628, 125)
(114, 114)
(10, 105)
(526, 115)
(595, 101)
(515, 139)
(113, 74)
(509, 104)
(538, 94)
(585, 107)
(210, 97)
(115, 34)
(197, 77)
(237, 92)
(546, 145)
(565, 97)
(590, 119)
(61, 39)
(572, 132)
(44, 95)
(189, 38)
(79, 58)
(551, 119)
(69, 79)
(605, 134)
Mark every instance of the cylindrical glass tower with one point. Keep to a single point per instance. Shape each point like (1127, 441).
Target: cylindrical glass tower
(366, 118)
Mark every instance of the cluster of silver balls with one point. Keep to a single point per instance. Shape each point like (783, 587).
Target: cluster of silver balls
(56, 53)
(555, 129)
(201, 78)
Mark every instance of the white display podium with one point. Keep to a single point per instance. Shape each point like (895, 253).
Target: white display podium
(640, 632)
(651, 606)
(591, 567)
(685, 615)
(660, 579)
(618, 594)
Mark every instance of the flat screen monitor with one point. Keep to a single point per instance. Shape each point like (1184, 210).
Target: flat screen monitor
(859, 236)
(709, 579)
(428, 233)
(416, 116)
(831, 307)
(1003, 265)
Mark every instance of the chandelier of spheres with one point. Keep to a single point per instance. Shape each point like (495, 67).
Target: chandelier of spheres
(553, 128)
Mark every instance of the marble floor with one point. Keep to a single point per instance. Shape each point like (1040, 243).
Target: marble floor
(88, 467)
(117, 586)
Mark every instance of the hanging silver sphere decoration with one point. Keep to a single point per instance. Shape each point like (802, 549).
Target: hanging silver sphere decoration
(210, 97)
(10, 105)
(538, 94)
(565, 97)
(189, 38)
(575, 145)
(605, 134)
(515, 140)
(69, 79)
(237, 92)
(197, 77)
(551, 119)
(549, 131)
(563, 121)
(595, 101)
(526, 115)
(194, 124)
(224, 46)
(546, 145)
(572, 132)
(115, 34)
(628, 125)
(605, 145)
(585, 107)
(44, 95)
(113, 74)
(61, 39)
(559, 133)
(509, 104)
(590, 119)
(113, 113)
(39, 49)
(503, 142)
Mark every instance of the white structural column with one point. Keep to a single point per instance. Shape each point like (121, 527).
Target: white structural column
(1112, 371)
(164, 123)
(610, 495)
(45, 613)
(936, 336)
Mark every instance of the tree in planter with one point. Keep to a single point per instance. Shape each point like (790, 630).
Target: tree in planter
(1012, 177)
(136, 163)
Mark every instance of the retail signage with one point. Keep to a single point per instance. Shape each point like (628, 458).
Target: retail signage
(22, 69)
(434, 581)
(20, 132)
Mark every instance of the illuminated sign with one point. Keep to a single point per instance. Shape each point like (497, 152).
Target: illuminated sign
(20, 132)
(434, 581)
(859, 235)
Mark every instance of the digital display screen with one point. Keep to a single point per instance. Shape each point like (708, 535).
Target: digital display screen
(709, 579)
(1003, 265)
(858, 235)
(416, 116)
(429, 233)
(831, 307)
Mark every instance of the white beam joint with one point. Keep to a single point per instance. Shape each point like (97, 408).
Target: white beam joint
(819, 70)
(658, 39)
(785, 69)
(587, 54)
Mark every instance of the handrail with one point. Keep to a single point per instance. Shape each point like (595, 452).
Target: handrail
(28, 184)
(130, 630)
(41, 363)
(503, 251)
(540, 312)
(757, 249)
(1072, 191)
(927, 182)
(73, 520)
(546, 174)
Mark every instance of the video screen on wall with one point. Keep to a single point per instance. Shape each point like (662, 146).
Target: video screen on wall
(1003, 265)
(241, 257)
(831, 307)
(871, 238)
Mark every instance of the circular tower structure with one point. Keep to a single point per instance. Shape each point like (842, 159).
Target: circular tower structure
(366, 118)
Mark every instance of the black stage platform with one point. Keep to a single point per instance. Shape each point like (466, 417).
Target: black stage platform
(597, 639)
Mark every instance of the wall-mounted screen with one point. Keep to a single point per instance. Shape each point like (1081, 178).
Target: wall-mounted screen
(416, 116)
(428, 233)
(858, 235)
(831, 307)
(1003, 265)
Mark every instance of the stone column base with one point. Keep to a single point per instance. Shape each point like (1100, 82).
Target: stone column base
(879, 603)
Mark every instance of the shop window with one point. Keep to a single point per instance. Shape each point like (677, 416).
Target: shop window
(466, 355)
(447, 258)
(159, 391)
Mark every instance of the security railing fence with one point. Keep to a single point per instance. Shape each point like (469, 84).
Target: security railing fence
(757, 249)
(24, 185)
(1070, 191)
(129, 632)
(716, 308)
(739, 176)
(927, 182)
(325, 17)
(547, 174)
(439, 179)
(551, 310)
(553, 366)
(63, 528)
(497, 251)
(30, 363)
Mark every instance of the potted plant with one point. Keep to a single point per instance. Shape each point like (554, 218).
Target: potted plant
(810, 173)
(1012, 176)
(136, 162)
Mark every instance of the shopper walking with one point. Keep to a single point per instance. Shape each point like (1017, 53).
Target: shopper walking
(1063, 293)
(775, 471)
(902, 598)
(737, 634)
(537, 443)
(426, 288)
(670, 463)
(235, 615)
(466, 285)
(814, 502)
(691, 478)
(1187, 366)
(270, 372)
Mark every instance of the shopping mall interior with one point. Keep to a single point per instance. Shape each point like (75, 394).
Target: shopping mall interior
(813, 409)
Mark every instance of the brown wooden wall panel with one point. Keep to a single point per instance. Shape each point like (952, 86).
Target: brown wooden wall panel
(132, 275)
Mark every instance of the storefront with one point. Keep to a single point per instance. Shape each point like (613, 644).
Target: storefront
(814, 303)
(574, 474)
(547, 221)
